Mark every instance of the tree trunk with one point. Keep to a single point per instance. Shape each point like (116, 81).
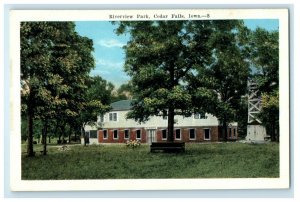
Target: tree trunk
(45, 137)
(70, 131)
(273, 137)
(30, 115)
(171, 124)
(49, 139)
(171, 107)
(83, 135)
(225, 131)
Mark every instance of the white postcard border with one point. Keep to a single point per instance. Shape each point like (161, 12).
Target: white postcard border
(16, 16)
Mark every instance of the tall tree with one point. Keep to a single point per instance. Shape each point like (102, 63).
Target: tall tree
(159, 56)
(55, 60)
(226, 77)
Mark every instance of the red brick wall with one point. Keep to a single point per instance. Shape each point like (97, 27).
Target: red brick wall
(121, 135)
(215, 135)
(199, 133)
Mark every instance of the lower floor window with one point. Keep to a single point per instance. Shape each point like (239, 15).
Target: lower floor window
(126, 134)
(177, 134)
(138, 134)
(164, 134)
(93, 133)
(104, 134)
(192, 134)
(116, 136)
(206, 134)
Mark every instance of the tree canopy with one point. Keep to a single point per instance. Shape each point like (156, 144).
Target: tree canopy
(55, 66)
(177, 67)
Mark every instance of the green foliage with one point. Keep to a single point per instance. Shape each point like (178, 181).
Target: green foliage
(159, 57)
(227, 160)
(96, 100)
(181, 67)
(55, 66)
(270, 113)
(265, 57)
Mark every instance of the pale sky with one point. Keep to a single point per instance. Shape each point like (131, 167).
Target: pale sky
(110, 56)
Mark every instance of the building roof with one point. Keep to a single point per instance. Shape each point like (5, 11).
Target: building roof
(121, 105)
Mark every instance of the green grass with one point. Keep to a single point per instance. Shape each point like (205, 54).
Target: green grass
(219, 160)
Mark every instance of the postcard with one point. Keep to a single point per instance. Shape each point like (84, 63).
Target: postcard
(150, 99)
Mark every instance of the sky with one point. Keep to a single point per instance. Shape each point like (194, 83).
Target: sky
(109, 54)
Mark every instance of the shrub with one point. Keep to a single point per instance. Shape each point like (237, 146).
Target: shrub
(133, 144)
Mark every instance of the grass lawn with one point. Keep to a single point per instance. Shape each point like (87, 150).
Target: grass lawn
(216, 160)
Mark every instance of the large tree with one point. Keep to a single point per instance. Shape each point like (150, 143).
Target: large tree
(55, 61)
(159, 56)
(223, 82)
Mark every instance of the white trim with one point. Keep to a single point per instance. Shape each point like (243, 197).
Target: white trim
(209, 133)
(114, 134)
(180, 133)
(106, 134)
(195, 133)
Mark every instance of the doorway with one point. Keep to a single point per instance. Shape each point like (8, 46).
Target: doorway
(151, 136)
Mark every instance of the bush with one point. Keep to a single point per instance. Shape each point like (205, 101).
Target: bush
(133, 144)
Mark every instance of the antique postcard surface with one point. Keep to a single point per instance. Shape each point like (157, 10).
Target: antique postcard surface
(177, 99)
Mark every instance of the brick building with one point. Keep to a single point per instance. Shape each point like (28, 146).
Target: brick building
(113, 127)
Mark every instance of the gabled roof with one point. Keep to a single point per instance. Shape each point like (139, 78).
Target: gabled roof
(121, 105)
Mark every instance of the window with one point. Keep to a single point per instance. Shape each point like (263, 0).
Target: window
(177, 134)
(192, 134)
(206, 134)
(116, 135)
(200, 116)
(126, 134)
(104, 134)
(113, 116)
(93, 134)
(138, 134)
(101, 118)
(164, 134)
(229, 132)
(234, 132)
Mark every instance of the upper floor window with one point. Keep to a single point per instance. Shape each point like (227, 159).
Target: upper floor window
(101, 118)
(113, 116)
(200, 116)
